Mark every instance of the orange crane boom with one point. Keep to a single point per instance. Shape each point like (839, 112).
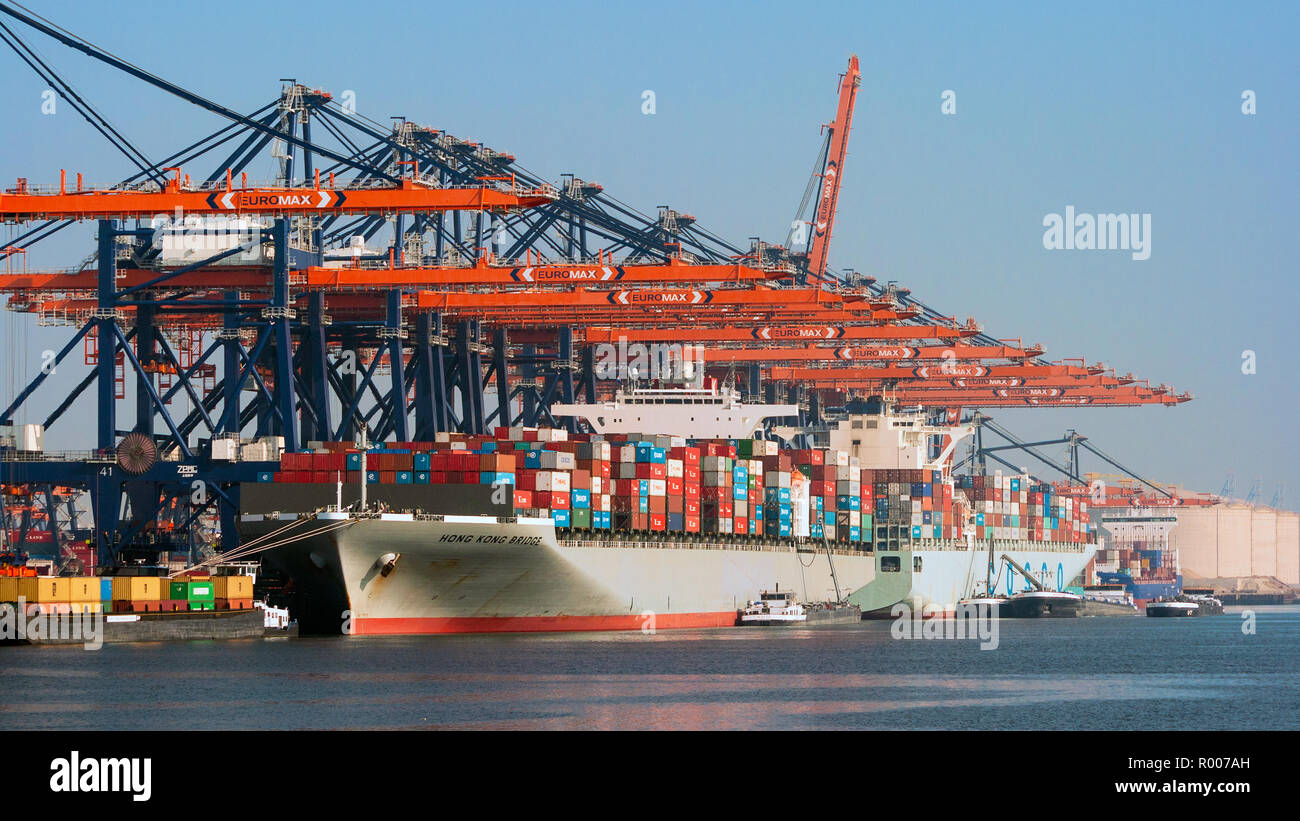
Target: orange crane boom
(21, 204)
(833, 173)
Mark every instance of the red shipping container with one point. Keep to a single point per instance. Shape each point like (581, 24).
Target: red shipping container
(691, 507)
(689, 456)
(691, 473)
(675, 487)
(692, 492)
(676, 504)
(692, 523)
(523, 498)
(658, 521)
(497, 463)
(741, 527)
(387, 477)
(658, 504)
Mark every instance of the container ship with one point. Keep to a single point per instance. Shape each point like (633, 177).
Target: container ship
(1139, 553)
(538, 530)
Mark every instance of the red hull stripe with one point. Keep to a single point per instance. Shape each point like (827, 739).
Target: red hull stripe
(538, 624)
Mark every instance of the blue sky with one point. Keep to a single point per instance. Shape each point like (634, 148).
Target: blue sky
(1105, 107)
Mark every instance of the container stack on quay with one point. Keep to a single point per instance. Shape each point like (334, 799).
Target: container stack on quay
(735, 487)
(127, 594)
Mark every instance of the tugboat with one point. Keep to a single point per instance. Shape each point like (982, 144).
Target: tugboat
(772, 609)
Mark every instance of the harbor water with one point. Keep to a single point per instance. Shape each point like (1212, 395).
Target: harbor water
(1091, 673)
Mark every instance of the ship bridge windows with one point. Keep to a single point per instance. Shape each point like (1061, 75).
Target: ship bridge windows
(890, 564)
(916, 564)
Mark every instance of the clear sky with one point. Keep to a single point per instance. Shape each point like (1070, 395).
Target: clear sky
(1108, 107)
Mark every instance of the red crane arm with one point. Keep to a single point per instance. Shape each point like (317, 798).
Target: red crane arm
(834, 170)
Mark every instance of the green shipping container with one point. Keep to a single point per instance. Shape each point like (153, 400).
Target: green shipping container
(581, 518)
(178, 591)
(200, 592)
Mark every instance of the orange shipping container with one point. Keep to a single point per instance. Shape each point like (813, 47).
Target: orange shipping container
(84, 589)
(137, 588)
(45, 589)
(232, 587)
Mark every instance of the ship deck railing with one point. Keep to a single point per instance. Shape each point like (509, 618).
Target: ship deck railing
(693, 545)
(105, 456)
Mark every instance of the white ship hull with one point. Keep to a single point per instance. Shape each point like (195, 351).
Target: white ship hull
(472, 574)
(936, 576)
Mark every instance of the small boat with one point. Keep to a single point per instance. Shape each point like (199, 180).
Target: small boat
(1192, 602)
(1172, 608)
(1204, 596)
(773, 609)
(972, 605)
(1040, 604)
(1108, 600)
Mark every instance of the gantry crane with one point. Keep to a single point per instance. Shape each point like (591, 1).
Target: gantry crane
(485, 302)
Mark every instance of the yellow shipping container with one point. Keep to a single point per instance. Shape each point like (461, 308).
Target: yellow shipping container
(83, 589)
(9, 588)
(137, 588)
(232, 587)
(45, 589)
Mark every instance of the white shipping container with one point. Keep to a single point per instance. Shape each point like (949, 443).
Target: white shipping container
(558, 460)
(557, 481)
(658, 487)
(676, 468)
(225, 450)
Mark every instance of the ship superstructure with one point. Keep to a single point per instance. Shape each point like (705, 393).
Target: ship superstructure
(710, 412)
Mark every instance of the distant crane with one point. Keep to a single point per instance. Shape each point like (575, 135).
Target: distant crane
(1279, 496)
(1255, 488)
(1226, 493)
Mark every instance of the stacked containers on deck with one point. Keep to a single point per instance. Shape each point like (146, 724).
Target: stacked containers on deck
(1013, 507)
(744, 487)
(232, 592)
(138, 594)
